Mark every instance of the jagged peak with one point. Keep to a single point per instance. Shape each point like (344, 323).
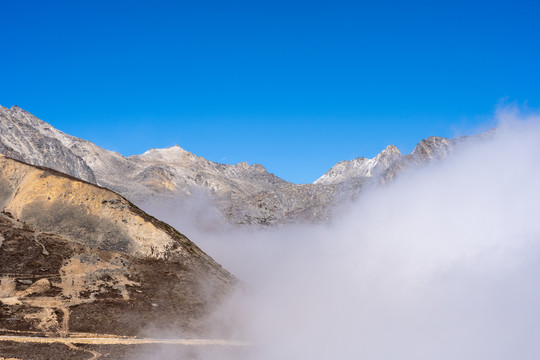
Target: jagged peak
(361, 166)
(390, 152)
(432, 139)
(391, 149)
(12, 108)
(430, 147)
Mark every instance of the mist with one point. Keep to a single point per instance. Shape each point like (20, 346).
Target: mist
(442, 263)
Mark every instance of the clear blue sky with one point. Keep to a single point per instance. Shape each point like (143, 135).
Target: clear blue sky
(294, 85)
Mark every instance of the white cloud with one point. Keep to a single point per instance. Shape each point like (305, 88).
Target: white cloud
(441, 264)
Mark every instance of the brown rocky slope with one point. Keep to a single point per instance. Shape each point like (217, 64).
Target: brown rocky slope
(77, 258)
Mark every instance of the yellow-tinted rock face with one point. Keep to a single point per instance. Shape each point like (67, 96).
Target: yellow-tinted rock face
(77, 258)
(87, 213)
(52, 202)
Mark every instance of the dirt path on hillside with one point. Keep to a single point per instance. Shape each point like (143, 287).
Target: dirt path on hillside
(78, 343)
(120, 341)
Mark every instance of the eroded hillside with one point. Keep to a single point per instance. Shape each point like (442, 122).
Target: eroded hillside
(80, 259)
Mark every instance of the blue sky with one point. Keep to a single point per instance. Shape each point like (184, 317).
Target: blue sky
(294, 85)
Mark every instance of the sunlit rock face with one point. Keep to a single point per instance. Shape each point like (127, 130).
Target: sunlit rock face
(25, 137)
(78, 258)
(241, 193)
(92, 215)
(361, 167)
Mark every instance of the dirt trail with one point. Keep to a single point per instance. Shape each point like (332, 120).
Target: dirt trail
(120, 341)
(95, 355)
(75, 342)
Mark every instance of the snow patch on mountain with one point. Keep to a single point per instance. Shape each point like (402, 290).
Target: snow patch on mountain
(361, 167)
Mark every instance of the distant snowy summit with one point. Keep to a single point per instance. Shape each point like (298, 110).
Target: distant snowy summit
(242, 193)
(361, 167)
(171, 155)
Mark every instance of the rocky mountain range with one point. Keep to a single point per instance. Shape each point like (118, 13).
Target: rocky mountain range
(80, 261)
(242, 193)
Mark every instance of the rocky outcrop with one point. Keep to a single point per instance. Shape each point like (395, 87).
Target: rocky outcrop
(434, 147)
(361, 168)
(26, 138)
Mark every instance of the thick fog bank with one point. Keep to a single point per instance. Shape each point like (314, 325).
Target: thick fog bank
(444, 263)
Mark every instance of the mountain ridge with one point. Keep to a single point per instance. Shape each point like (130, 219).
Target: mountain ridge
(244, 194)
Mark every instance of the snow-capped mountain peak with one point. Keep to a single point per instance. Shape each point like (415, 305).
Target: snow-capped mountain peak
(361, 167)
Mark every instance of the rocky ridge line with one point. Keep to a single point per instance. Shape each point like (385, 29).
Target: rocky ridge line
(242, 193)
